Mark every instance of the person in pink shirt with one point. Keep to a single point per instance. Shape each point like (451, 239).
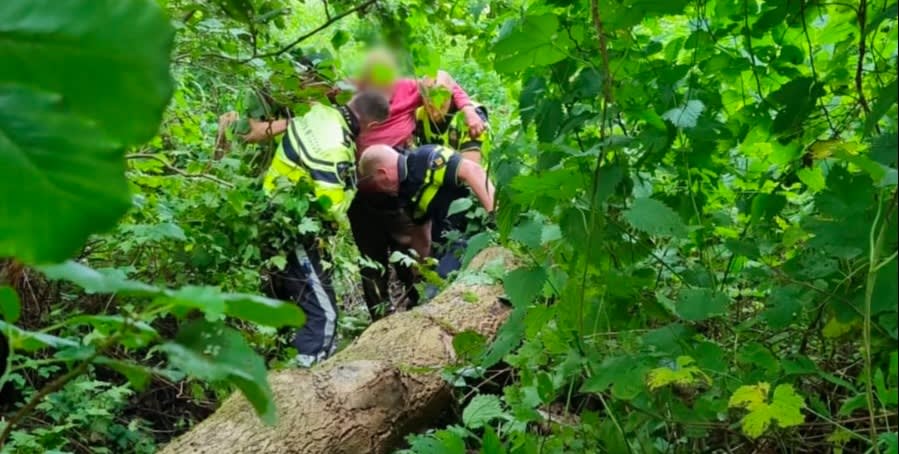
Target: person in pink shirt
(378, 222)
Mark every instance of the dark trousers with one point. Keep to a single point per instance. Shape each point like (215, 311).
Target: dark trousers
(304, 282)
(381, 226)
(448, 253)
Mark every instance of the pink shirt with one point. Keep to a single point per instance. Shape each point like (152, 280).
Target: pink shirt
(400, 125)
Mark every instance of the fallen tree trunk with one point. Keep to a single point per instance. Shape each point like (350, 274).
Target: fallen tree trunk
(368, 396)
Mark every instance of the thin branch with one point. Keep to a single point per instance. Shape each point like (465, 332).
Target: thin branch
(862, 24)
(181, 172)
(811, 62)
(758, 81)
(603, 50)
(308, 35)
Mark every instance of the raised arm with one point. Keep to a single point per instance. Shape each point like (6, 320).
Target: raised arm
(462, 102)
(476, 178)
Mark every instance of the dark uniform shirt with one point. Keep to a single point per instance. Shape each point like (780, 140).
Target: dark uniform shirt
(428, 181)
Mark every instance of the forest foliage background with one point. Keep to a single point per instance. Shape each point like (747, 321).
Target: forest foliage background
(704, 192)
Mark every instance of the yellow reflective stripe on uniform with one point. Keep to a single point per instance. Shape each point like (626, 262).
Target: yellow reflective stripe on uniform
(432, 182)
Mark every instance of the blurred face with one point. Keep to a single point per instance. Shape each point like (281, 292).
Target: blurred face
(379, 73)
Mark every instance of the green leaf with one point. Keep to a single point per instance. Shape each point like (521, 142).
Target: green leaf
(682, 372)
(459, 206)
(799, 97)
(532, 41)
(10, 307)
(214, 352)
(507, 338)
(883, 149)
(523, 285)
(697, 304)
(813, 178)
(30, 341)
(134, 334)
(886, 98)
(109, 280)
(784, 409)
(482, 409)
(490, 443)
(469, 345)
(340, 38)
(67, 112)
(686, 116)
(76, 177)
(241, 10)
(138, 376)
(655, 218)
(549, 117)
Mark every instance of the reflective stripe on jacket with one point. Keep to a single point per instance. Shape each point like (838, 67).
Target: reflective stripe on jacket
(318, 147)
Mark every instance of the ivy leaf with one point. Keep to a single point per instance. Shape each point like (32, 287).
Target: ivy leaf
(532, 41)
(67, 112)
(686, 116)
(10, 307)
(697, 304)
(523, 285)
(482, 409)
(214, 352)
(784, 408)
(655, 218)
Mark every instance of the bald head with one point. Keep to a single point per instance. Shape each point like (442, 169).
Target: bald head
(378, 170)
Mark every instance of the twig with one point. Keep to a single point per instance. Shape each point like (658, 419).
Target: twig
(862, 23)
(758, 81)
(603, 50)
(876, 242)
(181, 172)
(306, 36)
(811, 62)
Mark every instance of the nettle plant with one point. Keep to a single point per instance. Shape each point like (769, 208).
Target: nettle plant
(706, 191)
(67, 116)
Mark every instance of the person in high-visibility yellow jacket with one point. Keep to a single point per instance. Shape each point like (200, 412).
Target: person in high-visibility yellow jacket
(439, 123)
(319, 148)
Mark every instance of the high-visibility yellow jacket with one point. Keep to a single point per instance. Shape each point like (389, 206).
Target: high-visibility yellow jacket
(451, 132)
(319, 147)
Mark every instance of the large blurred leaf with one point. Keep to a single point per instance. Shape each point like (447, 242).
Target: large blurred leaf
(214, 352)
(533, 41)
(80, 80)
(884, 101)
(799, 99)
(210, 300)
(107, 59)
(10, 307)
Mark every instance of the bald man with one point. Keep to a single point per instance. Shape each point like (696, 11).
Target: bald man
(424, 180)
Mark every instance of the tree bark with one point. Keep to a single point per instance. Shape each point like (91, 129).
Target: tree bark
(385, 385)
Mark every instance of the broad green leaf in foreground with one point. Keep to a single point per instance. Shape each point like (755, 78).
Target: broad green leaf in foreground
(534, 41)
(214, 352)
(784, 408)
(80, 80)
(210, 300)
(655, 218)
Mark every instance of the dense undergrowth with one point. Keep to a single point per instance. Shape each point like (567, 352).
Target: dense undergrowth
(705, 193)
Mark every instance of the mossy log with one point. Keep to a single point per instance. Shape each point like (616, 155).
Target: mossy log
(366, 398)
